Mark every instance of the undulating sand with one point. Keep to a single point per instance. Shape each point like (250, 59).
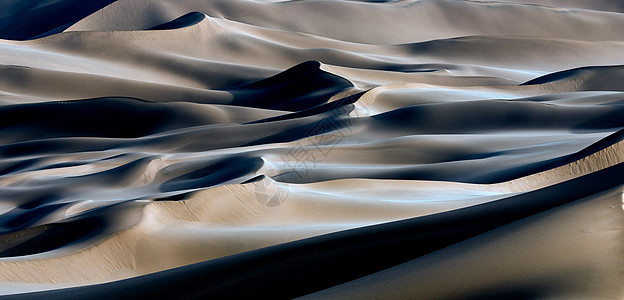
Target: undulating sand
(325, 149)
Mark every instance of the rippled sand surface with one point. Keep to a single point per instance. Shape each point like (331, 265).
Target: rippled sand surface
(324, 149)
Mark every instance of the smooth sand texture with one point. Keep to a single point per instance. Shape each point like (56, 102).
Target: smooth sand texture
(319, 148)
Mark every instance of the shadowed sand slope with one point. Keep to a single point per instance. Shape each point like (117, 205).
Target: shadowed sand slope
(315, 263)
(322, 148)
(607, 78)
(36, 18)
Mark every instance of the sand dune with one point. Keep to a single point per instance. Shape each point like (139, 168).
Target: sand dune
(322, 148)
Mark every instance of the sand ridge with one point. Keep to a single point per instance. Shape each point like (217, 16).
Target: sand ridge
(143, 141)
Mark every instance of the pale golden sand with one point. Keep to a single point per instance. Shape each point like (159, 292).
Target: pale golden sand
(132, 144)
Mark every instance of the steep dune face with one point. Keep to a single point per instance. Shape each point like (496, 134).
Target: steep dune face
(36, 18)
(399, 22)
(328, 148)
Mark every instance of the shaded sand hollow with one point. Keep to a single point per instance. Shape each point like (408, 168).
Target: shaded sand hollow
(321, 149)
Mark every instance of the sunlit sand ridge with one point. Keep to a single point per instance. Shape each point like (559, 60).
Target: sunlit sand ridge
(326, 149)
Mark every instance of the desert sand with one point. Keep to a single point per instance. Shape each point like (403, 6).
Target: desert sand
(324, 149)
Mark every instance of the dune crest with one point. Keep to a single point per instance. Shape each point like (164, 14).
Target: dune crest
(322, 148)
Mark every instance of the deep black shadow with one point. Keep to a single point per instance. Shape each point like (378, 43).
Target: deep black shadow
(216, 173)
(91, 226)
(189, 19)
(305, 266)
(99, 117)
(31, 21)
(301, 87)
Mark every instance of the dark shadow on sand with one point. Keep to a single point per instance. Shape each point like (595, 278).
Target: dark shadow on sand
(305, 266)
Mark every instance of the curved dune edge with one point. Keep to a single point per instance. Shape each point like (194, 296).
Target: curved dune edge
(186, 20)
(129, 264)
(480, 156)
(121, 256)
(609, 156)
(502, 264)
(320, 262)
(434, 15)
